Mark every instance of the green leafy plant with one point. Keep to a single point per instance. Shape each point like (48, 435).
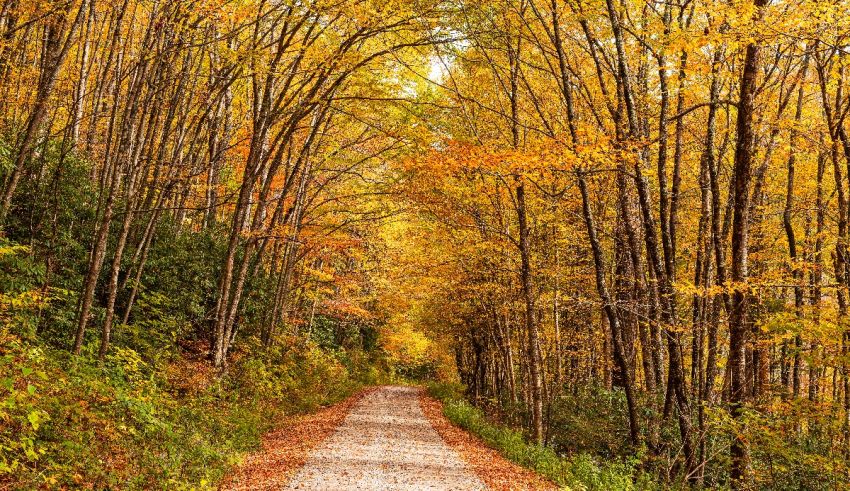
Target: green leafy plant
(580, 471)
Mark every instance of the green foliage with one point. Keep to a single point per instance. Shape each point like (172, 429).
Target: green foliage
(153, 414)
(134, 423)
(183, 268)
(56, 213)
(20, 298)
(445, 391)
(54, 217)
(21, 273)
(580, 471)
(591, 420)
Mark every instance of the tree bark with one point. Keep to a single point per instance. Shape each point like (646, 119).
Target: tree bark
(55, 58)
(744, 149)
(610, 310)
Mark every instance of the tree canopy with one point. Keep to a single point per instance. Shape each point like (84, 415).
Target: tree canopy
(619, 214)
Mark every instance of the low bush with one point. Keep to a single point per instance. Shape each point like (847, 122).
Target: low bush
(445, 391)
(579, 472)
(591, 420)
(126, 424)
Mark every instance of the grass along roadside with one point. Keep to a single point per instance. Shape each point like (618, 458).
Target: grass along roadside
(134, 423)
(578, 472)
(497, 472)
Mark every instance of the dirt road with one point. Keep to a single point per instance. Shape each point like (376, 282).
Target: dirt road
(386, 443)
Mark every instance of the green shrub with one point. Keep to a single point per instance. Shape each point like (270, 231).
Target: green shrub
(592, 420)
(580, 471)
(445, 391)
(129, 424)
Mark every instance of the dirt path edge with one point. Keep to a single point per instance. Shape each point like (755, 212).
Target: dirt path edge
(497, 472)
(285, 449)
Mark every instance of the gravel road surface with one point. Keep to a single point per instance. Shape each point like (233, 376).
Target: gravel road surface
(385, 443)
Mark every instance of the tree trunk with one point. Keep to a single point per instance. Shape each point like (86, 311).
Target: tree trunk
(530, 318)
(744, 149)
(610, 310)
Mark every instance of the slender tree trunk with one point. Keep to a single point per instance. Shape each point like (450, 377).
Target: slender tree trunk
(796, 272)
(55, 58)
(530, 317)
(744, 149)
(610, 311)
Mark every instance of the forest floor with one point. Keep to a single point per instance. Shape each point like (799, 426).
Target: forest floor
(388, 438)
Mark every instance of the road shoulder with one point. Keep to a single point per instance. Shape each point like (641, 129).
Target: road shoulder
(497, 472)
(286, 449)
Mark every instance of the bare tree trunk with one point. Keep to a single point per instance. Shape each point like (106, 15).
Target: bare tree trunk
(796, 272)
(744, 149)
(610, 311)
(82, 85)
(530, 318)
(55, 58)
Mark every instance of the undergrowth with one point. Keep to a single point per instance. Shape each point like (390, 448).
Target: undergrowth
(579, 472)
(154, 414)
(128, 424)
